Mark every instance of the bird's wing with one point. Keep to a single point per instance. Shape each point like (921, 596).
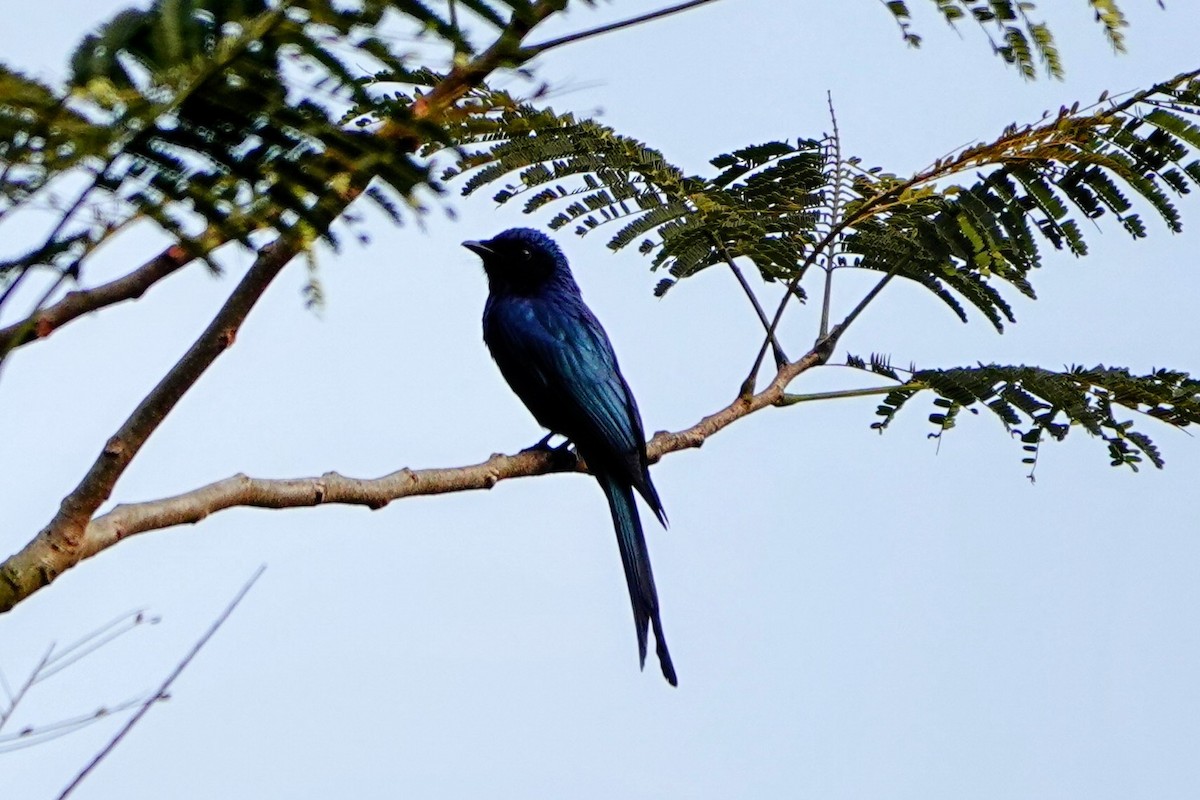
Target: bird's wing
(558, 359)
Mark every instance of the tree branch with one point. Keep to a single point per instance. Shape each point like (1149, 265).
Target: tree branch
(75, 304)
(64, 541)
(41, 562)
(58, 544)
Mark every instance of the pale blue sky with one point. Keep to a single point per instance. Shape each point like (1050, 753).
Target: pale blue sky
(851, 616)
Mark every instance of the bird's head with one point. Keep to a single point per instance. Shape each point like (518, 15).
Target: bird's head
(522, 260)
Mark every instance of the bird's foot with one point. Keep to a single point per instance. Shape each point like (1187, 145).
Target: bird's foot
(543, 445)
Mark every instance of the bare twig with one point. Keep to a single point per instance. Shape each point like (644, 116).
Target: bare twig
(56, 660)
(536, 49)
(780, 356)
(6, 686)
(78, 303)
(840, 328)
(20, 693)
(829, 340)
(162, 690)
(40, 734)
(94, 641)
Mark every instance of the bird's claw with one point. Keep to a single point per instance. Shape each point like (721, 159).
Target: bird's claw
(543, 446)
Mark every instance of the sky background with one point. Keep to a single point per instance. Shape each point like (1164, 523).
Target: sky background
(851, 615)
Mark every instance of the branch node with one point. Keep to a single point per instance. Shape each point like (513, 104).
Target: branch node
(114, 448)
(321, 486)
(825, 345)
(46, 574)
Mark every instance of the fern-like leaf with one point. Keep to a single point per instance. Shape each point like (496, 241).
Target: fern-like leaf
(1035, 404)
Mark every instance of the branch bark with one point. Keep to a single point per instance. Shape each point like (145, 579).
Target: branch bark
(78, 303)
(45, 558)
(65, 541)
(59, 545)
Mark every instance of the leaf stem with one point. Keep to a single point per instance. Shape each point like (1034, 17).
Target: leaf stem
(792, 399)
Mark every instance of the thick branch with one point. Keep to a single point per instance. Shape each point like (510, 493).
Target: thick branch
(64, 541)
(78, 303)
(40, 562)
(59, 545)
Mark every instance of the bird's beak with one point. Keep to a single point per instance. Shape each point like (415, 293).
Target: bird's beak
(478, 248)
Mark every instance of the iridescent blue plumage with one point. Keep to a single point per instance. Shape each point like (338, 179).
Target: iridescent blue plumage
(557, 358)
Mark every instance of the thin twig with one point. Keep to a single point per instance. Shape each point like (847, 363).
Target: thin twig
(537, 49)
(162, 690)
(31, 736)
(7, 713)
(780, 356)
(832, 337)
(55, 661)
(750, 383)
(94, 641)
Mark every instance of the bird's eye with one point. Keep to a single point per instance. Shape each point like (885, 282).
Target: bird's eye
(526, 254)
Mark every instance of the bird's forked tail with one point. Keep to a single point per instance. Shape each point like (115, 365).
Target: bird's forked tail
(638, 575)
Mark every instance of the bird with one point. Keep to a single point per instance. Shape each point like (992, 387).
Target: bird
(557, 358)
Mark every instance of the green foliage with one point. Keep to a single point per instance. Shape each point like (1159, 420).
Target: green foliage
(787, 205)
(218, 121)
(761, 204)
(1035, 403)
(211, 145)
(223, 120)
(1113, 20)
(1010, 28)
(256, 119)
(964, 242)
